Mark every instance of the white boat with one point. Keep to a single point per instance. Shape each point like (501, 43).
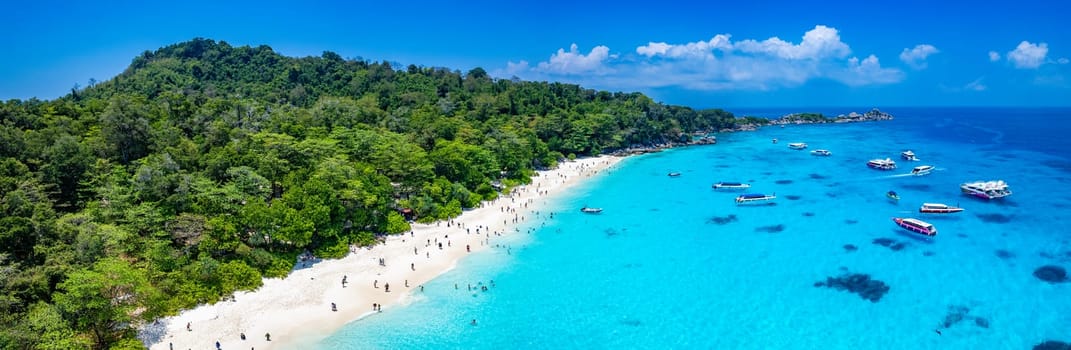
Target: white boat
(730, 186)
(590, 210)
(916, 225)
(797, 145)
(922, 170)
(986, 189)
(881, 164)
(754, 197)
(938, 208)
(908, 156)
(821, 152)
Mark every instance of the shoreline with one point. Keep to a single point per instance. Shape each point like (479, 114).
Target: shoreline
(297, 309)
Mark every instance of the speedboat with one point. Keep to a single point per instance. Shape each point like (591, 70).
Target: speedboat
(730, 186)
(590, 210)
(938, 208)
(881, 164)
(916, 226)
(908, 156)
(674, 174)
(774, 140)
(797, 145)
(922, 170)
(821, 152)
(754, 197)
(892, 195)
(986, 189)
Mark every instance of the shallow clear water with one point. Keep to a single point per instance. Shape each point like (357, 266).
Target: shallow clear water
(670, 263)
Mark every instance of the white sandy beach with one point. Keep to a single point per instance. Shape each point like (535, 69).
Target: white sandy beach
(298, 307)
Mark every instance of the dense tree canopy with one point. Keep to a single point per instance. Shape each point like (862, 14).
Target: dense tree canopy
(204, 167)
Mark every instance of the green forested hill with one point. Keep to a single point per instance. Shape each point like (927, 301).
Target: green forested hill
(204, 167)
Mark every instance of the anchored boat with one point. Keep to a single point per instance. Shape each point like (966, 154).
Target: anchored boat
(986, 189)
(730, 186)
(881, 164)
(754, 197)
(821, 152)
(938, 208)
(589, 210)
(916, 226)
(797, 145)
(674, 174)
(892, 195)
(908, 156)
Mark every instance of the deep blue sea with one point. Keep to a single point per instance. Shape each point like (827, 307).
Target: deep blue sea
(671, 263)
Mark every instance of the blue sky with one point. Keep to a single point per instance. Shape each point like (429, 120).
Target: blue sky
(714, 54)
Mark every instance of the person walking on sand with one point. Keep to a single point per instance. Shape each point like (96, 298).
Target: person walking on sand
(386, 287)
(188, 327)
(267, 336)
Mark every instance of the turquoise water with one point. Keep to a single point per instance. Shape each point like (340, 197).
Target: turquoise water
(670, 263)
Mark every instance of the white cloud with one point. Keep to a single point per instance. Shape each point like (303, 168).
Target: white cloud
(994, 56)
(1028, 55)
(694, 49)
(916, 57)
(715, 64)
(574, 62)
(820, 42)
(975, 85)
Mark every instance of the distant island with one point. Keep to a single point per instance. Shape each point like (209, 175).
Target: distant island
(753, 123)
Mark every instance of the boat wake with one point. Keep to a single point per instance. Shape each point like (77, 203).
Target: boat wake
(904, 175)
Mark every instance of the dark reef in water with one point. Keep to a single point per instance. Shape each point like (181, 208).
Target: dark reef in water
(771, 229)
(862, 284)
(1053, 345)
(1051, 274)
(831, 195)
(1060, 165)
(928, 253)
(1004, 254)
(851, 222)
(783, 182)
(610, 232)
(850, 248)
(961, 235)
(793, 197)
(890, 243)
(995, 218)
(722, 220)
(959, 313)
(808, 214)
(917, 187)
(819, 176)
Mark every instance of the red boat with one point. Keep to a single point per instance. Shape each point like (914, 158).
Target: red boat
(938, 208)
(916, 226)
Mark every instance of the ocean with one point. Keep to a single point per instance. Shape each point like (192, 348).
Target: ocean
(672, 263)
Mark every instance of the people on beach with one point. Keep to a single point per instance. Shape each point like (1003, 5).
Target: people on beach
(241, 335)
(386, 287)
(188, 327)
(334, 307)
(267, 336)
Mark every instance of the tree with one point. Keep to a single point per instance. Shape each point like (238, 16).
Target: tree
(124, 126)
(109, 300)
